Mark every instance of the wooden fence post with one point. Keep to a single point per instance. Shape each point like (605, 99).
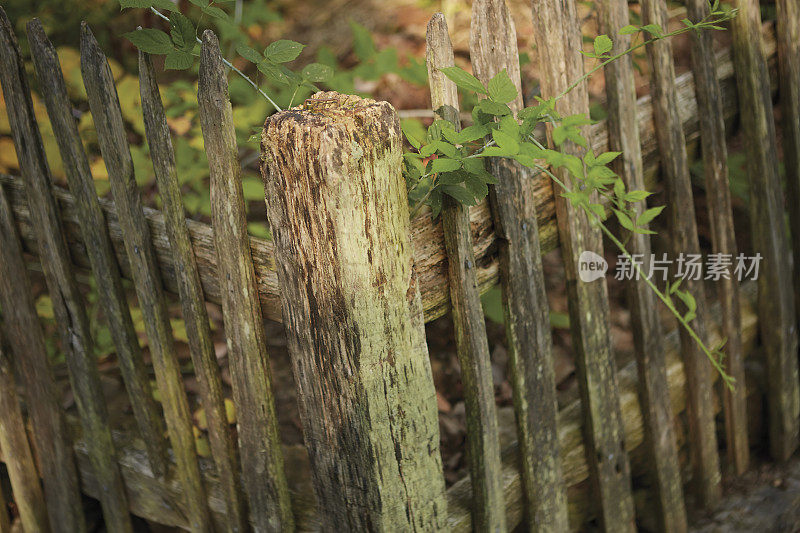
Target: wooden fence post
(683, 240)
(718, 197)
(18, 456)
(24, 333)
(259, 441)
(68, 305)
(98, 246)
(107, 116)
(336, 203)
(472, 345)
(648, 335)
(557, 35)
(776, 306)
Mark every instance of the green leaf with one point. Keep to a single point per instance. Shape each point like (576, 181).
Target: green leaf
(446, 148)
(606, 158)
(435, 202)
(654, 30)
(472, 133)
(598, 210)
(249, 53)
(459, 193)
(624, 220)
(602, 44)
(363, 45)
(493, 108)
(215, 12)
(505, 141)
(476, 186)
(628, 30)
(200, 3)
(690, 303)
(273, 72)
(464, 80)
(182, 32)
(150, 41)
(147, 4)
(317, 72)
(443, 164)
(413, 140)
(648, 216)
(178, 60)
(283, 51)
(636, 196)
(452, 178)
(501, 89)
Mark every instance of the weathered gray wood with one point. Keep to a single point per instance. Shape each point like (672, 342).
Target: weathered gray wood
(24, 333)
(17, 455)
(776, 305)
(788, 34)
(623, 135)
(493, 48)
(337, 207)
(683, 240)
(558, 39)
(718, 197)
(68, 306)
(430, 259)
(104, 104)
(195, 316)
(472, 346)
(94, 234)
(259, 441)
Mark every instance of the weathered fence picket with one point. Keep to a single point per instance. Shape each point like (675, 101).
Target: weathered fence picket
(493, 48)
(776, 306)
(98, 246)
(24, 333)
(107, 116)
(623, 136)
(788, 37)
(472, 345)
(68, 308)
(259, 442)
(718, 198)
(337, 208)
(684, 241)
(557, 35)
(198, 330)
(17, 455)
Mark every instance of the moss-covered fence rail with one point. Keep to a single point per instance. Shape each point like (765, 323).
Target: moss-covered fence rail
(354, 280)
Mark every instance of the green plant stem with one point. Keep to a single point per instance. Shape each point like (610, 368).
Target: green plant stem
(232, 67)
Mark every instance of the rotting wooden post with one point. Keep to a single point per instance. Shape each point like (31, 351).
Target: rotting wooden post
(259, 440)
(107, 116)
(24, 333)
(775, 302)
(788, 37)
(493, 47)
(623, 135)
(97, 243)
(337, 206)
(198, 330)
(17, 455)
(68, 306)
(683, 240)
(483, 444)
(558, 39)
(718, 196)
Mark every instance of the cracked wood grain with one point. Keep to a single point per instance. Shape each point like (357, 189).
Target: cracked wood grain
(776, 305)
(94, 232)
(337, 207)
(472, 345)
(107, 116)
(68, 306)
(493, 48)
(259, 440)
(623, 134)
(557, 34)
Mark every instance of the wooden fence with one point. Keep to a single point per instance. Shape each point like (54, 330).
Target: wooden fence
(354, 281)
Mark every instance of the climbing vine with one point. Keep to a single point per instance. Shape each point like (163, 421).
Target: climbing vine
(445, 161)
